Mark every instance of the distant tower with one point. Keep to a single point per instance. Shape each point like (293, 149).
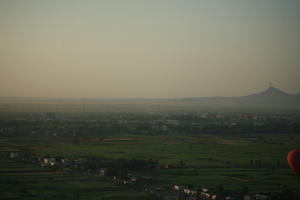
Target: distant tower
(270, 84)
(8, 110)
(83, 106)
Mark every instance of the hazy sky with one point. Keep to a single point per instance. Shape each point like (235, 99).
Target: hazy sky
(154, 48)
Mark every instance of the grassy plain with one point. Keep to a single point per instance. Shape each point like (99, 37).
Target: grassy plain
(255, 161)
(23, 181)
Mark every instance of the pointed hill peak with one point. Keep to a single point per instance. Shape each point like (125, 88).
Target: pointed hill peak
(274, 91)
(270, 93)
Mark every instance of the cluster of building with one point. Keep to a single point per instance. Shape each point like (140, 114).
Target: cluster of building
(176, 192)
(179, 192)
(187, 123)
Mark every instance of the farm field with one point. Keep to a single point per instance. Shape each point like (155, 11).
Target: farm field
(257, 162)
(26, 181)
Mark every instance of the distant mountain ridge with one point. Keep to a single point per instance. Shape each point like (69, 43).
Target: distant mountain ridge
(270, 92)
(268, 98)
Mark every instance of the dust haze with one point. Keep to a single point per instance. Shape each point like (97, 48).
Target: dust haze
(147, 49)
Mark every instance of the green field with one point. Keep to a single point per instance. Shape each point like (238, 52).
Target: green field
(255, 161)
(23, 181)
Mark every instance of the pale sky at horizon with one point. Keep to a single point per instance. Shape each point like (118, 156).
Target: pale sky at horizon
(148, 49)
